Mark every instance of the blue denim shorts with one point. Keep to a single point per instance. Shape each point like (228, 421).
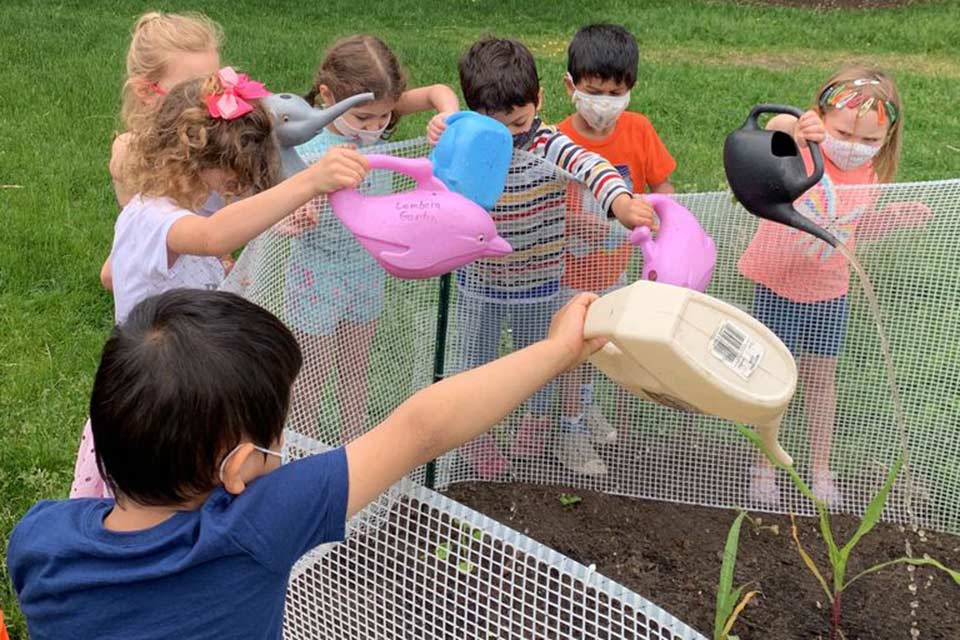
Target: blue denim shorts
(817, 328)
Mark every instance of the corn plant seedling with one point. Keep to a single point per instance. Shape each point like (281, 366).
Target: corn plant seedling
(839, 556)
(569, 499)
(729, 602)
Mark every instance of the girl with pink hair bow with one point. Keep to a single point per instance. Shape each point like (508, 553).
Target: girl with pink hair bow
(208, 136)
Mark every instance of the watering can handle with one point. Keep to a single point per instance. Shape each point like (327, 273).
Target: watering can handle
(640, 235)
(815, 154)
(420, 169)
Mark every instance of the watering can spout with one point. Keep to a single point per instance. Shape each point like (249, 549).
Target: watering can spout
(296, 122)
(323, 117)
(798, 221)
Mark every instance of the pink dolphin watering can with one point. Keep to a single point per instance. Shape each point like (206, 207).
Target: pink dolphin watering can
(421, 233)
(682, 253)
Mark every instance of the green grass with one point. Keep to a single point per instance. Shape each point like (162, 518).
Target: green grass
(703, 64)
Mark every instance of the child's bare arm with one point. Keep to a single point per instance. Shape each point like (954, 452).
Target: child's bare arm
(106, 275)
(451, 412)
(240, 222)
(896, 215)
(808, 127)
(436, 97)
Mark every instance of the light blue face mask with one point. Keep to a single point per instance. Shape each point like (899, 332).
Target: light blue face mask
(284, 455)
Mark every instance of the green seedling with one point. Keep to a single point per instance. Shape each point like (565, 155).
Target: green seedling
(729, 600)
(837, 555)
(569, 499)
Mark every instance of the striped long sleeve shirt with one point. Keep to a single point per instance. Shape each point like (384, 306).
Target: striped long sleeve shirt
(530, 216)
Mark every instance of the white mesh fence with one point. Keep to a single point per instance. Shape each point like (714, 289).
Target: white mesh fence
(584, 431)
(433, 568)
(369, 343)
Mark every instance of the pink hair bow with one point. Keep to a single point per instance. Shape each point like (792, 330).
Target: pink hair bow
(237, 89)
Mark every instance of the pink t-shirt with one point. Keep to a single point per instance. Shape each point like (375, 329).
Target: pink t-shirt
(794, 264)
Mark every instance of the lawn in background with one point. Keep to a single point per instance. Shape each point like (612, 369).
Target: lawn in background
(702, 65)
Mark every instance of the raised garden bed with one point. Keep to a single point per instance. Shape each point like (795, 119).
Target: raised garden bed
(671, 555)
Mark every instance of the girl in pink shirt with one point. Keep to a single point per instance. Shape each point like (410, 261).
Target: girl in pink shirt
(801, 281)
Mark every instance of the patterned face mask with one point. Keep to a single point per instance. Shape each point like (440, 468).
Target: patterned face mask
(848, 155)
(600, 112)
(522, 140)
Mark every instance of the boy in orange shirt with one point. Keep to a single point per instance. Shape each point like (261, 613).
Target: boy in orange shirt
(601, 71)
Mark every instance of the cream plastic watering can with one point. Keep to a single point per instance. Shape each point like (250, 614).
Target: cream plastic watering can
(689, 351)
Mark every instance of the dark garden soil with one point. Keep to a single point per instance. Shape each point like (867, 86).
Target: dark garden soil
(671, 555)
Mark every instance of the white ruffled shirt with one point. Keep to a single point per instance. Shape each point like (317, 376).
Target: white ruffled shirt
(139, 259)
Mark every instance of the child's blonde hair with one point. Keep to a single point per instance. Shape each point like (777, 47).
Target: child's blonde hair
(155, 38)
(875, 84)
(181, 140)
(357, 64)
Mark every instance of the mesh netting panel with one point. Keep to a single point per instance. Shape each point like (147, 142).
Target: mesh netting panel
(418, 564)
(367, 339)
(584, 431)
(433, 568)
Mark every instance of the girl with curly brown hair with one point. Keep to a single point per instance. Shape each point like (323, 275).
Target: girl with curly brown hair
(208, 136)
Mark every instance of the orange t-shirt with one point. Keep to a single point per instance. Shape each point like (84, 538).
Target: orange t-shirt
(794, 264)
(637, 152)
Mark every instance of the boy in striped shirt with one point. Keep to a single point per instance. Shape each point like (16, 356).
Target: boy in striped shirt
(498, 78)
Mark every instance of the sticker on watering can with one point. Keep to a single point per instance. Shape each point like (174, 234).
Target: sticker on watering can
(731, 346)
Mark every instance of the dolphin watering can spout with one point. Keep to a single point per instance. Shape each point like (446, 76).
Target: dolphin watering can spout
(767, 174)
(296, 122)
(689, 351)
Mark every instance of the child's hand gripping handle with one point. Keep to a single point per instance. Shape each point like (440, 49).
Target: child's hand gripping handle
(601, 322)
(660, 202)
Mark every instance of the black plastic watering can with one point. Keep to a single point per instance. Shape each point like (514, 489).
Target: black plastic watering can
(766, 172)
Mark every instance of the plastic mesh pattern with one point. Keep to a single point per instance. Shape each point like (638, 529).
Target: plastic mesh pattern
(418, 565)
(907, 249)
(433, 568)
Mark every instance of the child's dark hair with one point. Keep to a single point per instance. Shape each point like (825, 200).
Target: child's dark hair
(358, 64)
(603, 51)
(498, 75)
(182, 139)
(188, 376)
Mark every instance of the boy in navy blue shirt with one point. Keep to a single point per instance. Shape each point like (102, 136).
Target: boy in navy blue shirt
(187, 409)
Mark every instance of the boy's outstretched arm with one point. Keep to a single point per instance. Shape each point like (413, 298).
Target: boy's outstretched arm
(449, 413)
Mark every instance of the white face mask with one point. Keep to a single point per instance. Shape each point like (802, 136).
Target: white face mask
(223, 464)
(600, 112)
(848, 155)
(363, 137)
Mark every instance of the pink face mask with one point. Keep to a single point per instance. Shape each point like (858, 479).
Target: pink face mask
(363, 137)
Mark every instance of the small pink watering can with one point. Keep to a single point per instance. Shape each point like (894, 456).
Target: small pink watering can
(682, 254)
(421, 233)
